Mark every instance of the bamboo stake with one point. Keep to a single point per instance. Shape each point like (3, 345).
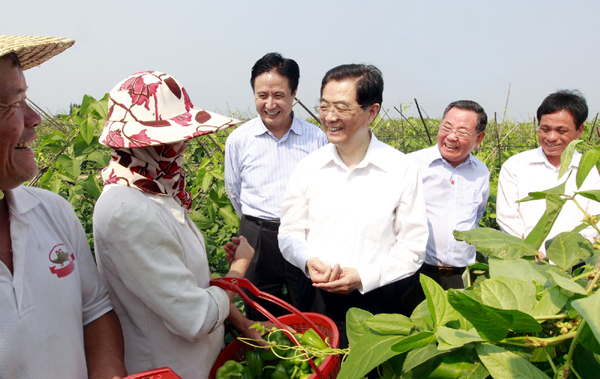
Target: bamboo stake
(380, 119)
(498, 139)
(411, 125)
(506, 106)
(308, 110)
(423, 121)
(592, 129)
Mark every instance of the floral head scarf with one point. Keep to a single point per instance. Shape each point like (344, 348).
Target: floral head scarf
(152, 108)
(155, 169)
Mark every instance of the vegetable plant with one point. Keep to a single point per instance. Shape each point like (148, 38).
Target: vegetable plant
(522, 317)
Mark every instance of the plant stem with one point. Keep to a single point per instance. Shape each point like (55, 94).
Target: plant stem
(536, 341)
(554, 317)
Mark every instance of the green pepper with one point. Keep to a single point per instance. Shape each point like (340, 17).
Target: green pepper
(305, 376)
(248, 374)
(280, 339)
(255, 362)
(230, 370)
(280, 371)
(318, 361)
(297, 359)
(312, 339)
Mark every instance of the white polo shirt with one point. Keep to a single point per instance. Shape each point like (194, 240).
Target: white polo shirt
(53, 292)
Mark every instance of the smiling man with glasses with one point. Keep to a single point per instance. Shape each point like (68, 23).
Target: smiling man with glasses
(456, 187)
(353, 216)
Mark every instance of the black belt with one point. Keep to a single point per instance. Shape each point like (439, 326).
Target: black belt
(442, 270)
(268, 224)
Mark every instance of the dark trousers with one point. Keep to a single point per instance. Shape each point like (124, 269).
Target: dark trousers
(392, 298)
(445, 281)
(268, 271)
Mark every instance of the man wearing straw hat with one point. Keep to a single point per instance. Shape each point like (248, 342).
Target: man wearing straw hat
(56, 318)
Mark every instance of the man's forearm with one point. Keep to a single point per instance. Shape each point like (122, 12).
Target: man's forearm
(104, 352)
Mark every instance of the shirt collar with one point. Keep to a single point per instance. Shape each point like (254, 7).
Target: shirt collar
(540, 157)
(172, 207)
(375, 155)
(434, 155)
(260, 128)
(26, 200)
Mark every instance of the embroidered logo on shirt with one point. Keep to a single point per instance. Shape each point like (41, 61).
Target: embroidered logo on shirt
(63, 261)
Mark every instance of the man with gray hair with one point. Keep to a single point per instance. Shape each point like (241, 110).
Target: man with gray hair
(56, 316)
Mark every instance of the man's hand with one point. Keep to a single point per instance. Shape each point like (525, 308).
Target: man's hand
(238, 249)
(349, 281)
(320, 272)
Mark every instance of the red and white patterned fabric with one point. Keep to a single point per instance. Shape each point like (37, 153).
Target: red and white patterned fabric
(155, 169)
(152, 108)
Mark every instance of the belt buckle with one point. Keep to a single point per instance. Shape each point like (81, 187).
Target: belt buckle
(445, 271)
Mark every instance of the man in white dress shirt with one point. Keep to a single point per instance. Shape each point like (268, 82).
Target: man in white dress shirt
(353, 215)
(456, 187)
(561, 117)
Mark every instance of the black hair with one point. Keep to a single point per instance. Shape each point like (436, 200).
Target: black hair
(369, 85)
(571, 101)
(276, 62)
(470, 105)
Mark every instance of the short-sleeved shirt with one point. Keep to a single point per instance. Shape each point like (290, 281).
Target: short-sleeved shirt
(53, 292)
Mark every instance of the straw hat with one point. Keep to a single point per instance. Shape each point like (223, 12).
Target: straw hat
(33, 50)
(152, 108)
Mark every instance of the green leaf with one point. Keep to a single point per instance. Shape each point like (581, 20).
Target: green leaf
(494, 242)
(102, 158)
(489, 324)
(567, 156)
(201, 221)
(492, 323)
(477, 371)
(71, 166)
(454, 338)
(516, 269)
(231, 218)
(567, 284)
(367, 353)
(91, 186)
(592, 194)
(391, 324)
(567, 249)
(502, 363)
(414, 341)
(539, 195)
(507, 293)
(356, 326)
(589, 159)
(420, 355)
(537, 236)
(437, 301)
(588, 340)
(552, 301)
(589, 308)
(586, 363)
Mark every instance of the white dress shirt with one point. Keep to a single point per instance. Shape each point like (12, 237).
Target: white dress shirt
(258, 165)
(455, 198)
(151, 257)
(530, 171)
(371, 218)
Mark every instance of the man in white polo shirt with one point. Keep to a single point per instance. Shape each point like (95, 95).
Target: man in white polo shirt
(56, 319)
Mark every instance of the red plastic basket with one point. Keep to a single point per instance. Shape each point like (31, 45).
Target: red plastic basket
(159, 373)
(299, 321)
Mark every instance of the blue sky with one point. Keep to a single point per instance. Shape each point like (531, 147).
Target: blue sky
(434, 51)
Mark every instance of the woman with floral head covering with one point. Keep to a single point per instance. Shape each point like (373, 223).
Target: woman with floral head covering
(150, 254)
